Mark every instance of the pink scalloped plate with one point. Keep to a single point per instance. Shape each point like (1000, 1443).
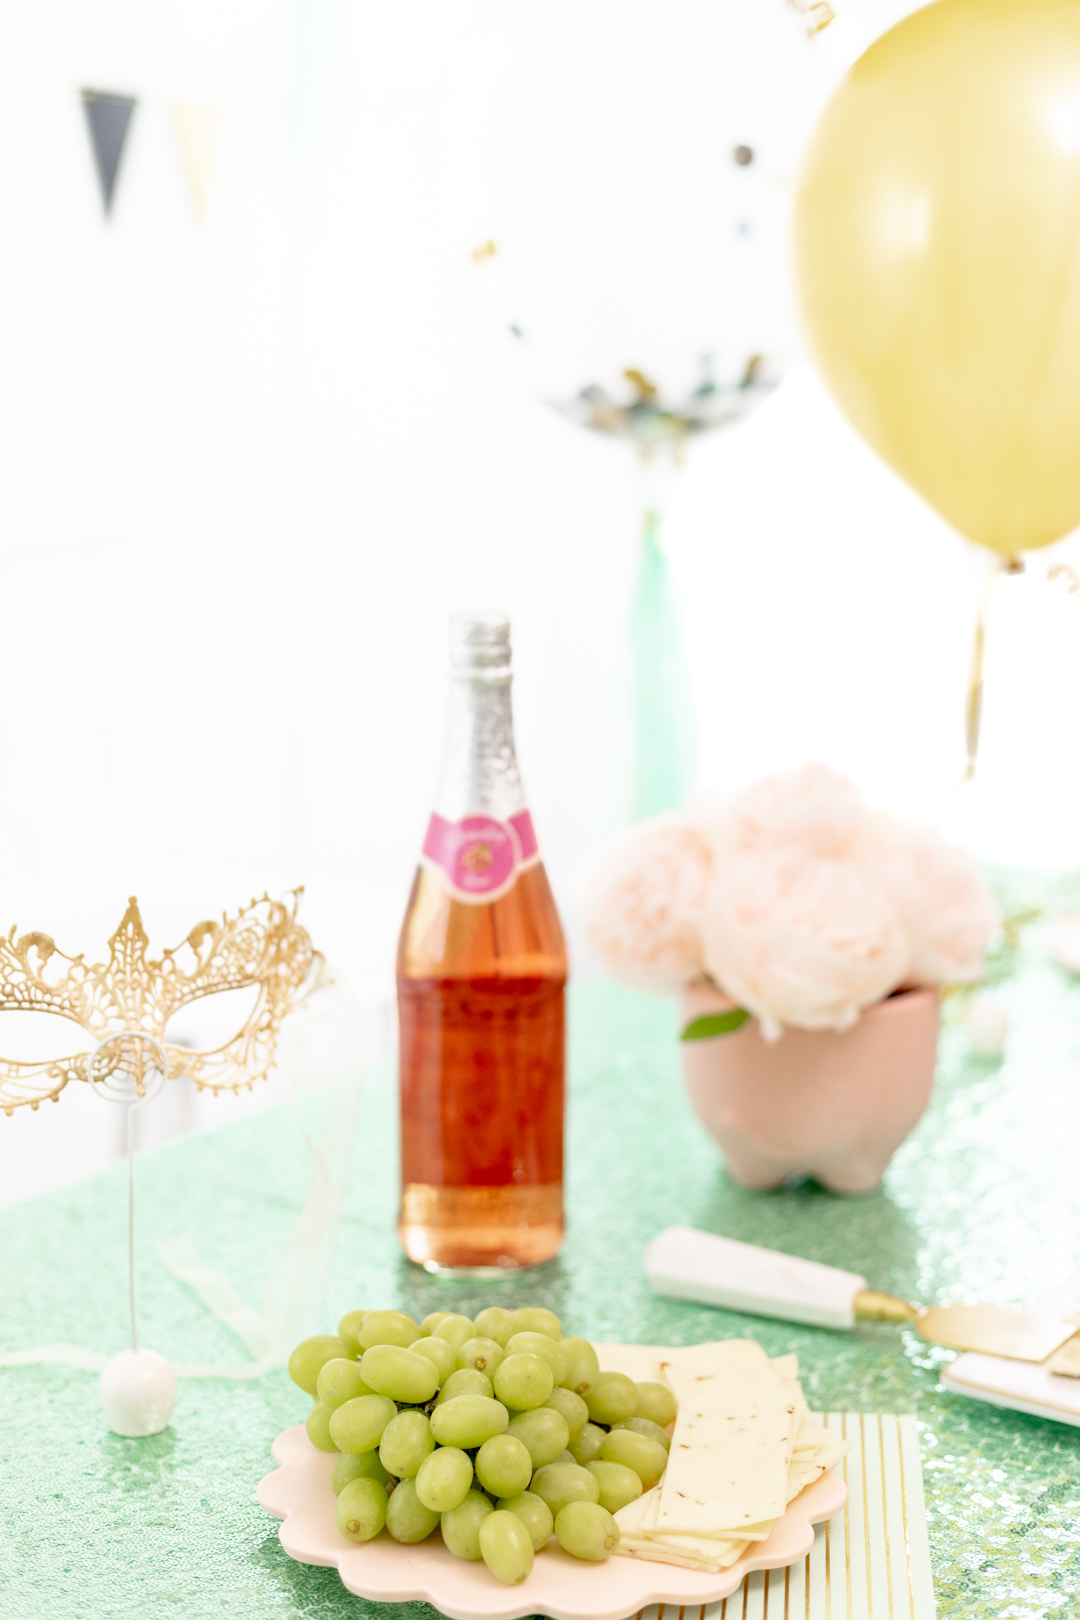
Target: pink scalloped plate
(561, 1587)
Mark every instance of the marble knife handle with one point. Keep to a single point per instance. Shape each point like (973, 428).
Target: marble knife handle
(683, 1263)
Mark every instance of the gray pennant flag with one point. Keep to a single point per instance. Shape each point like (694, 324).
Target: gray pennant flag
(108, 118)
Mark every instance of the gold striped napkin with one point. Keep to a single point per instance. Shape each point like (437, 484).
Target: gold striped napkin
(872, 1562)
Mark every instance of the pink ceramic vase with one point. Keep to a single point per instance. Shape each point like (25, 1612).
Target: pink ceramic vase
(814, 1103)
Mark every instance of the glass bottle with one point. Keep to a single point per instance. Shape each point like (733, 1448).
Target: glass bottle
(481, 975)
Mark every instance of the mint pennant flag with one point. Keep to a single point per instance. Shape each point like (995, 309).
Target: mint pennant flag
(108, 119)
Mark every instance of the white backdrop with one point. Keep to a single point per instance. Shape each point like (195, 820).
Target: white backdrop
(250, 465)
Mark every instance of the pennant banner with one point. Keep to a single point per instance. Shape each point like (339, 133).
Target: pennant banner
(108, 118)
(198, 129)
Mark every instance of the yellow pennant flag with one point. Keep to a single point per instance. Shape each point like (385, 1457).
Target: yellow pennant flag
(198, 129)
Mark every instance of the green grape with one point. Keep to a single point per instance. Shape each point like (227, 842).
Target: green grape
(349, 1331)
(560, 1483)
(310, 1357)
(534, 1319)
(538, 1344)
(455, 1329)
(636, 1451)
(407, 1519)
(581, 1364)
(645, 1426)
(618, 1485)
(401, 1374)
(656, 1403)
(572, 1407)
(468, 1420)
(586, 1530)
(340, 1381)
(444, 1478)
(466, 1381)
(438, 1352)
(461, 1526)
(503, 1465)
(586, 1448)
(388, 1327)
(506, 1547)
(543, 1433)
(350, 1465)
(361, 1509)
(566, 1456)
(407, 1440)
(534, 1514)
(358, 1425)
(612, 1398)
(523, 1382)
(431, 1322)
(318, 1427)
(483, 1355)
(497, 1323)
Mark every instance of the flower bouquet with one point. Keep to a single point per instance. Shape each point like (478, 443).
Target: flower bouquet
(795, 910)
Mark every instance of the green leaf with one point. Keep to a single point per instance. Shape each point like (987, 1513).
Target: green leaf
(704, 1029)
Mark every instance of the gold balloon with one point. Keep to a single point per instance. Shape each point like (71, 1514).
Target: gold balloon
(937, 250)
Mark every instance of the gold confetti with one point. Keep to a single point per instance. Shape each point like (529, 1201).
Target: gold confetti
(645, 389)
(816, 14)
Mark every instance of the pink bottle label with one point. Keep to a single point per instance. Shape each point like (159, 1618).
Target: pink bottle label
(480, 856)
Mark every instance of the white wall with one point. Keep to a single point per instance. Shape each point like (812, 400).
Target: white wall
(248, 466)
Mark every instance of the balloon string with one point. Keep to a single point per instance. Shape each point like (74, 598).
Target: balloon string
(973, 707)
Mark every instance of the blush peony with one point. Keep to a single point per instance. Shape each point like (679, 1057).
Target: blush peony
(802, 939)
(811, 807)
(643, 902)
(943, 900)
(798, 900)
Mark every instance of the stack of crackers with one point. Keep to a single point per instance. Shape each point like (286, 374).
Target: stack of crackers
(744, 1446)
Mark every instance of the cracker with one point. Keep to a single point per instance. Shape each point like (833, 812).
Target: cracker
(660, 1553)
(744, 1446)
(733, 1437)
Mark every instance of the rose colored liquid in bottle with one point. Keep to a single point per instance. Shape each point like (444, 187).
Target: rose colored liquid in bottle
(480, 1001)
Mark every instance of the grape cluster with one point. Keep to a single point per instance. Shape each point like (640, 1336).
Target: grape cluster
(496, 1431)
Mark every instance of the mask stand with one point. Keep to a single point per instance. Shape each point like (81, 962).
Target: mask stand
(137, 1387)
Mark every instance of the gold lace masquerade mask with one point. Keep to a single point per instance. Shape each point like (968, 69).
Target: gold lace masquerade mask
(262, 945)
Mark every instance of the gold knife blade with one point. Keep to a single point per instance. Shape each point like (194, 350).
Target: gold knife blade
(994, 1330)
(991, 1330)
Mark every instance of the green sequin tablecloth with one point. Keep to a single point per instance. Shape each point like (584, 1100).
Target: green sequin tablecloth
(983, 1202)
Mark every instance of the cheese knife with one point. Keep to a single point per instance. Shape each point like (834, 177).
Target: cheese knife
(683, 1263)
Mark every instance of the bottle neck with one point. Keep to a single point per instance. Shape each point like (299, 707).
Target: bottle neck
(480, 771)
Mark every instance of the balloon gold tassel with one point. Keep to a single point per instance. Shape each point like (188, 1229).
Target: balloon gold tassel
(973, 708)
